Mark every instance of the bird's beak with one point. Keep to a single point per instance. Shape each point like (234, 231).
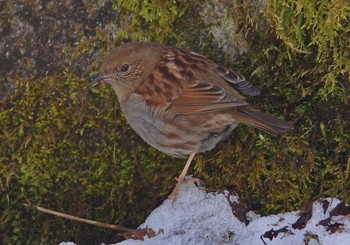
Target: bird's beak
(97, 80)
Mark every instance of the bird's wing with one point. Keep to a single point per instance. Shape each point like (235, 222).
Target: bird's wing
(236, 80)
(177, 86)
(203, 97)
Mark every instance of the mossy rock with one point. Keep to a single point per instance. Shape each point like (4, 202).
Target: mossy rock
(68, 148)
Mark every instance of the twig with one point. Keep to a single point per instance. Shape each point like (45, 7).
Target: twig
(75, 218)
(127, 233)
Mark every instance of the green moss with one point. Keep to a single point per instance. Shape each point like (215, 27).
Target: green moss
(150, 20)
(319, 29)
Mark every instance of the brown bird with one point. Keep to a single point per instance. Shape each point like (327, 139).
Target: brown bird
(178, 101)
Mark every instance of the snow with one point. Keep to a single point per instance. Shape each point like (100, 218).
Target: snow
(190, 219)
(197, 217)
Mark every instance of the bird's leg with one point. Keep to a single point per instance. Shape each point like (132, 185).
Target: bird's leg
(185, 169)
(181, 179)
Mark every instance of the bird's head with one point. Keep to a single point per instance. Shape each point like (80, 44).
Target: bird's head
(125, 66)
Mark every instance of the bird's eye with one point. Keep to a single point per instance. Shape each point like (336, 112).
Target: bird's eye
(124, 68)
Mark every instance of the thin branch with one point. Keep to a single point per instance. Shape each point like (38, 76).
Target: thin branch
(127, 233)
(75, 218)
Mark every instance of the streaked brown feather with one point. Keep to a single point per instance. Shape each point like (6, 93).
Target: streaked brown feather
(204, 97)
(236, 80)
(174, 87)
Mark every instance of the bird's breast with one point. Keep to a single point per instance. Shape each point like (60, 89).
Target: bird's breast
(178, 136)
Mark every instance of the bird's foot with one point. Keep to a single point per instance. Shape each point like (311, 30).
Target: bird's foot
(184, 180)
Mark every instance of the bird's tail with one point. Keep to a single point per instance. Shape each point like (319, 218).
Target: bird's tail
(260, 120)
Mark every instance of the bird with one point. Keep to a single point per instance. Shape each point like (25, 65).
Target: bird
(179, 101)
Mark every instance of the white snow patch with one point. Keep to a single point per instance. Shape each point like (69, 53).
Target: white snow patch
(197, 217)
